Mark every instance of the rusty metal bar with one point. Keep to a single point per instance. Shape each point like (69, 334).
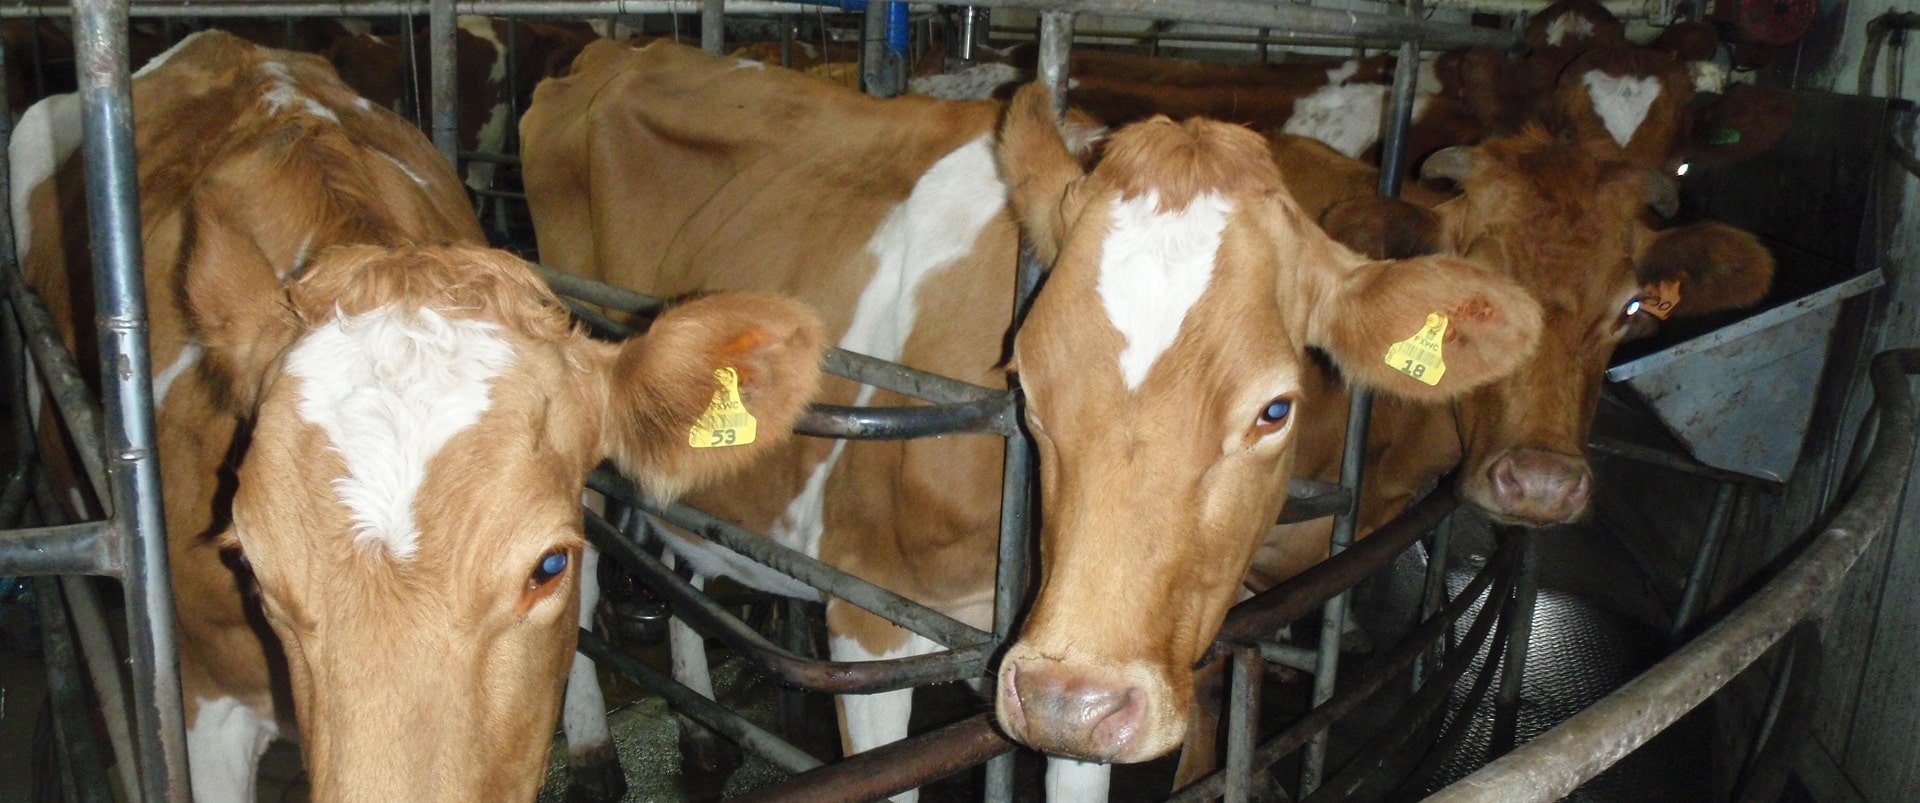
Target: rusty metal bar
(1558, 761)
(894, 768)
(1243, 721)
(1703, 558)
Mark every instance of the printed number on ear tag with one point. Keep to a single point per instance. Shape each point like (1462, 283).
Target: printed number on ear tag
(726, 421)
(1659, 298)
(1419, 356)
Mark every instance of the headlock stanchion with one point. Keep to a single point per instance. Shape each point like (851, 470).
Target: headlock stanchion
(116, 460)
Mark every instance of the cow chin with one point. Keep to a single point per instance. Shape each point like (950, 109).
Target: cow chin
(1530, 487)
(1118, 713)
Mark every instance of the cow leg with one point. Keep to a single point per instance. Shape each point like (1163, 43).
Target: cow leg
(224, 746)
(868, 721)
(702, 752)
(593, 768)
(1071, 781)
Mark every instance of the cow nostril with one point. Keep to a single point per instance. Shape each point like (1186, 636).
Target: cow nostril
(1506, 484)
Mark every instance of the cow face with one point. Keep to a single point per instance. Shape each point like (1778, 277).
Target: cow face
(1162, 363)
(1564, 220)
(410, 500)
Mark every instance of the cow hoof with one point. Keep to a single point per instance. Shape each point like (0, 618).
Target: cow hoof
(598, 782)
(703, 752)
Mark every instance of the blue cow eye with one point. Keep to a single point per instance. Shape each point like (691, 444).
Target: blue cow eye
(550, 567)
(1276, 411)
(1632, 307)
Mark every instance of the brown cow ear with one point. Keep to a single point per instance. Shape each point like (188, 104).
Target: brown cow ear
(238, 307)
(1383, 228)
(1426, 329)
(1038, 168)
(1718, 267)
(715, 383)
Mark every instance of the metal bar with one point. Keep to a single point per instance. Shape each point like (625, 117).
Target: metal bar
(1287, 20)
(1378, 674)
(1513, 668)
(445, 94)
(400, 8)
(1056, 56)
(1555, 763)
(811, 571)
(82, 761)
(102, 660)
(894, 768)
(62, 549)
(113, 216)
(900, 423)
(1667, 460)
(1393, 150)
(492, 158)
(839, 677)
(695, 706)
(1703, 558)
(1784, 730)
(1257, 619)
(1434, 592)
(1289, 655)
(57, 369)
(508, 195)
(1243, 718)
(1333, 620)
(713, 26)
(1093, 35)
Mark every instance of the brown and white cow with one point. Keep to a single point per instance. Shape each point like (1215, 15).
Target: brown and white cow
(390, 423)
(1563, 218)
(1162, 359)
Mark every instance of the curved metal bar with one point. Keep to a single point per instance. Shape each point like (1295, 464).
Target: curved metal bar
(1259, 617)
(1558, 761)
(811, 571)
(838, 677)
(989, 416)
(894, 768)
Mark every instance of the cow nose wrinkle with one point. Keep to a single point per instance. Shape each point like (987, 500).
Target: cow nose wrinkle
(1540, 486)
(1062, 712)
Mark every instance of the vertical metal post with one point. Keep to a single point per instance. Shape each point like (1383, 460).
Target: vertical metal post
(1016, 501)
(1519, 612)
(1359, 415)
(1433, 593)
(713, 26)
(787, 25)
(1703, 559)
(1243, 717)
(883, 49)
(113, 217)
(441, 28)
(81, 763)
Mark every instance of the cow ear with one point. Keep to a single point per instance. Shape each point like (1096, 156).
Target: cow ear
(238, 308)
(1714, 267)
(1037, 167)
(1427, 329)
(1383, 228)
(715, 383)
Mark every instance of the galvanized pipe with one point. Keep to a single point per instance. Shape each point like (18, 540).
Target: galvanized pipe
(894, 768)
(1287, 19)
(405, 8)
(1703, 558)
(1243, 718)
(59, 372)
(86, 548)
(102, 660)
(1513, 667)
(1553, 764)
(713, 26)
(82, 762)
(1433, 593)
(695, 706)
(133, 468)
(1333, 620)
(445, 97)
(1263, 40)
(1056, 56)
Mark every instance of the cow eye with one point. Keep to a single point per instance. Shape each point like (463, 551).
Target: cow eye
(1632, 308)
(551, 566)
(1273, 415)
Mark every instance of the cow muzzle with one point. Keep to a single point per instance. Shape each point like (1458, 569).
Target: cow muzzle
(1094, 713)
(1537, 487)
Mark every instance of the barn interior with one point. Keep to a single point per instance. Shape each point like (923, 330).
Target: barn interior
(1729, 452)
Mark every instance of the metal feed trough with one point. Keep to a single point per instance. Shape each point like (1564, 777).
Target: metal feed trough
(129, 545)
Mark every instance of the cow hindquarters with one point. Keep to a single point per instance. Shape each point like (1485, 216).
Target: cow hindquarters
(224, 745)
(593, 768)
(868, 721)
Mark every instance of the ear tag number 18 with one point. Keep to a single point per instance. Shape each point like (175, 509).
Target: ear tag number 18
(1419, 356)
(726, 421)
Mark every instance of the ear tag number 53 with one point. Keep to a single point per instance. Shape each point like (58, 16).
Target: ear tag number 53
(726, 421)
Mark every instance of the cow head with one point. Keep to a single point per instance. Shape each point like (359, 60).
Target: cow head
(1163, 365)
(1564, 220)
(410, 500)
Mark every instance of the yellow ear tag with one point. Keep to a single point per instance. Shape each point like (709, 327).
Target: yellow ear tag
(726, 421)
(1660, 298)
(1419, 356)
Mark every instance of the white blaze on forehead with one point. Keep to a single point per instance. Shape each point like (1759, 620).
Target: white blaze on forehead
(1153, 267)
(1348, 117)
(932, 229)
(283, 94)
(389, 388)
(1577, 26)
(46, 135)
(1622, 103)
